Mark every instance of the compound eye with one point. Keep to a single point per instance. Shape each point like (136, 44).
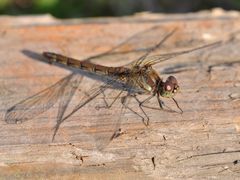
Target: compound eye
(172, 79)
(168, 87)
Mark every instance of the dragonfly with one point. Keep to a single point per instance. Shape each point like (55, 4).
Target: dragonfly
(132, 80)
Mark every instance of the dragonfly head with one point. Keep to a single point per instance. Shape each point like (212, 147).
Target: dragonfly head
(169, 88)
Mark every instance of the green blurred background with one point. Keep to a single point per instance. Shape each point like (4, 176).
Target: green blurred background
(93, 8)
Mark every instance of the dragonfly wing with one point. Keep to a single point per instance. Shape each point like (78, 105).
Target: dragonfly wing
(83, 101)
(152, 60)
(37, 104)
(141, 59)
(113, 118)
(133, 47)
(117, 101)
(67, 94)
(99, 112)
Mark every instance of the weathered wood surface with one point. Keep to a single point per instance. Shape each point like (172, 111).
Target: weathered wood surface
(203, 142)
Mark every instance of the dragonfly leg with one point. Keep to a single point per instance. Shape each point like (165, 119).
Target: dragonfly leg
(108, 105)
(160, 102)
(177, 105)
(140, 103)
(145, 100)
(123, 101)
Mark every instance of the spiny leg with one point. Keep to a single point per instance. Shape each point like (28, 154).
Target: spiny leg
(177, 105)
(141, 107)
(108, 105)
(160, 102)
(141, 103)
(127, 107)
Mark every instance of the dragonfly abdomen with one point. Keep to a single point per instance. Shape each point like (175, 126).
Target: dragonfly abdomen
(85, 65)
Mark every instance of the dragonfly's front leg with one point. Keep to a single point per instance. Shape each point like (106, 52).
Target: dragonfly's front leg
(160, 102)
(177, 105)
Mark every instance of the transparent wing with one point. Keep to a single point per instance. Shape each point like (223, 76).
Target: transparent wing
(66, 96)
(152, 60)
(133, 47)
(41, 102)
(65, 89)
(102, 104)
(148, 60)
(101, 110)
(142, 58)
(108, 127)
(119, 104)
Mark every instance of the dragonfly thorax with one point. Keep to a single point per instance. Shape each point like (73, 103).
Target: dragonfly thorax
(168, 88)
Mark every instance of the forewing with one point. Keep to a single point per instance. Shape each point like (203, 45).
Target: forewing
(133, 47)
(152, 60)
(142, 58)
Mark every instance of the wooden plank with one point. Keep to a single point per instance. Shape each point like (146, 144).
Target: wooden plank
(203, 142)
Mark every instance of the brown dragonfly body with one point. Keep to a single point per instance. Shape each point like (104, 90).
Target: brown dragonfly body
(140, 75)
(144, 77)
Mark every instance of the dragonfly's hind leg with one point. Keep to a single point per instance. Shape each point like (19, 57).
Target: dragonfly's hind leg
(141, 105)
(123, 101)
(108, 105)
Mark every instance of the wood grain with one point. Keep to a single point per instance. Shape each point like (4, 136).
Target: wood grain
(203, 142)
